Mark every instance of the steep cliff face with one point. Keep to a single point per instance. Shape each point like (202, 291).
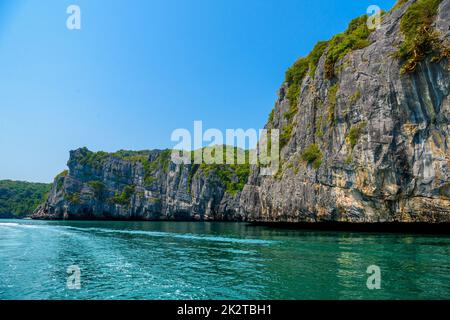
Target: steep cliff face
(142, 185)
(364, 123)
(363, 142)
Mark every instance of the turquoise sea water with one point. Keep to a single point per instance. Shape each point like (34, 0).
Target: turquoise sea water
(178, 260)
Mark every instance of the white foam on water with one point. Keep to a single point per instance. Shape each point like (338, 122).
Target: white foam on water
(8, 224)
(22, 225)
(187, 236)
(34, 226)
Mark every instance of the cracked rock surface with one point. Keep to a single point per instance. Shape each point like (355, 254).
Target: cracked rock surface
(397, 168)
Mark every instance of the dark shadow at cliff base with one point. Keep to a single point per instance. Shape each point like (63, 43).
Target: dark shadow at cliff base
(390, 227)
(128, 219)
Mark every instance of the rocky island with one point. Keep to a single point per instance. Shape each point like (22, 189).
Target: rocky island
(364, 123)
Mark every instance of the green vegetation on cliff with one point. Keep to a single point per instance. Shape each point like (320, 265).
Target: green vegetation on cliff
(355, 133)
(154, 163)
(98, 188)
(74, 197)
(150, 166)
(421, 40)
(162, 162)
(124, 198)
(302, 67)
(59, 179)
(92, 159)
(286, 134)
(18, 199)
(354, 38)
(96, 160)
(63, 174)
(129, 155)
(294, 79)
(232, 176)
(312, 155)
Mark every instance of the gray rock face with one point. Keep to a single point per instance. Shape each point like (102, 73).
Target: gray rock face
(95, 187)
(384, 155)
(398, 169)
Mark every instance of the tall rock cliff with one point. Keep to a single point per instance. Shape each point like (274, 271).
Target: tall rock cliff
(364, 122)
(365, 126)
(143, 185)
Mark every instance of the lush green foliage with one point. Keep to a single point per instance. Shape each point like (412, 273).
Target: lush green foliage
(232, 176)
(296, 73)
(294, 79)
(151, 167)
(354, 38)
(74, 198)
(312, 155)
(18, 199)
(162, 162)
(92, 159)
(355, 133)
(60, 179)
(132, 155)
(355, 97)
(271, 115)
(124, 198)
(63, 174)
(98, 188)
(286, 134)
(319, 126)
(421, 40)
(315, 56)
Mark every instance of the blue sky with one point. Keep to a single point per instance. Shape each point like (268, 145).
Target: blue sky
(138, 69)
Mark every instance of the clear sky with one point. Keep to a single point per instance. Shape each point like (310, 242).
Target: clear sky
(138, 69)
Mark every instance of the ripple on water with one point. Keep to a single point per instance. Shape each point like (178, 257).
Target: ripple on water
(186, 236)
(121, 260)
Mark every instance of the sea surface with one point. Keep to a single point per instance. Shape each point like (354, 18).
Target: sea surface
(194, 260)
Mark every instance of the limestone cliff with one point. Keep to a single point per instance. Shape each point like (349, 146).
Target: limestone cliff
(364, 123)
(142, 185)
(364, 142)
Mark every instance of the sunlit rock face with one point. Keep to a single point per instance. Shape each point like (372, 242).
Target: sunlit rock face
(396, 169)
(146, 186)
(378, 144)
